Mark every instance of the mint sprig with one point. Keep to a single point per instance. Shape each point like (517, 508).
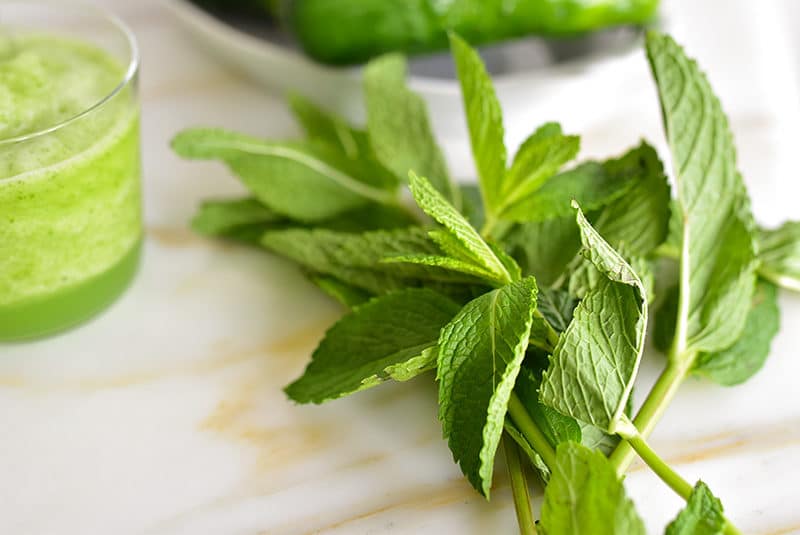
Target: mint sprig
(528, 293)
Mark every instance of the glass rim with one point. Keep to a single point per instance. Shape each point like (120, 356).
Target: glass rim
(130, 72)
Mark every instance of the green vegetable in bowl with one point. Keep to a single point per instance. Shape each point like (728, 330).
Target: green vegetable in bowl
(352, 31)
(259, 7)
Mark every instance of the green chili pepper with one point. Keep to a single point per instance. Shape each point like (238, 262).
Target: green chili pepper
(352, 31)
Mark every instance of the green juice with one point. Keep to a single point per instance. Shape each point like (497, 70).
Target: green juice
(70, 198)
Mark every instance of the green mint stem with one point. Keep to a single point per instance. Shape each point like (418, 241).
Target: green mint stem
(495, 229)
(519, 488)
(664, 471)
(730, 529)
(779, 279)
(530, 430)
(541, 344)
(488, 226)
(653, 408)
(682, 487)
(552, 335)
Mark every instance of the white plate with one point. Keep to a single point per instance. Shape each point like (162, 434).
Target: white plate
(531, 76)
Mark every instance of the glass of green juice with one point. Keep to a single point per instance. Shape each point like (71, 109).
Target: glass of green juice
(70, 193)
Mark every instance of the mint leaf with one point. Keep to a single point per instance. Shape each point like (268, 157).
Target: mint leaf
(243, 219)
(718, 251)
(779, 252)
(467, 244)
(246, 219)
(386, 338)
(594, 185)
(672, 247)
(484, 119)
(664, 329)
(588, 183)
(398, 127)
(636, 220)
(444, 262)
(508, 262)
(556, 427)
(472, 205)
(370, 216)
(536, 459)
(639, 219)
(544, 248)
(346, 294)
(537, 160)
(480, 353)
(594, 365)
(320, 125)
(557, 307)
(701, 516)
(359, 260)
(597, 439)
(451, 245)
(355, 259)
(304, 181)
(646, 269)
(747, 355)
(585, 496)
(600, 253)
(327, 128)
(583, 276)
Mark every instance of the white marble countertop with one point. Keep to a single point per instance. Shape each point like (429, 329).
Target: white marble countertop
(166, 415)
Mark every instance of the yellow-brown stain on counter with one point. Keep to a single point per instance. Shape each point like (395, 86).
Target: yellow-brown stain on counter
(241, 414)
(795, 528)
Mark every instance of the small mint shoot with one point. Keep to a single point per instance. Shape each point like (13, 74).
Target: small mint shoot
(485, 122)
(701, 516)
(464, 240)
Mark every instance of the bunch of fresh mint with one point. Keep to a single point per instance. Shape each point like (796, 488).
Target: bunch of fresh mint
(536, 323)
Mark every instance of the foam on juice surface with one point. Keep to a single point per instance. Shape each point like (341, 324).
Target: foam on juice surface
(46, 80)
